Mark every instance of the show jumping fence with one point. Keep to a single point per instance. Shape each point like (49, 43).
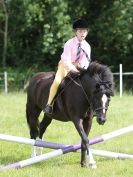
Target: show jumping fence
(63, 149)
(12, 81)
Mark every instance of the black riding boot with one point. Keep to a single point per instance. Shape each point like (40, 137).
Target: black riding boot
(48, 109)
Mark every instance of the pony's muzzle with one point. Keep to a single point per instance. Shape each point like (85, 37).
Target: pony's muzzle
(101, 120)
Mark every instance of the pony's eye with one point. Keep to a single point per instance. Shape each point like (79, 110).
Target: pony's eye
(97, 86)
(110, 85)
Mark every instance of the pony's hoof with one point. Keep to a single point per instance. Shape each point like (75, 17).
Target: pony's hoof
(36, 151)
(33, 154)
(93, 166)
(84, 164)
(39, 151)
(89, 165)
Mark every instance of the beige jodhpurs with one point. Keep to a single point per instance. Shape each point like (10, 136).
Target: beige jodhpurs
(62, 71)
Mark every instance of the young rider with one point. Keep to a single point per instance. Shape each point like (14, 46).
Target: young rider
(76, 54)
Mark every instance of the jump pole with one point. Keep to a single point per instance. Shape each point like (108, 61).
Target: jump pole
(67, 149)
(51, 145)
(39, 143)
(110, 154)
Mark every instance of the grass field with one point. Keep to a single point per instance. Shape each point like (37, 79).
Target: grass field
(13, 122)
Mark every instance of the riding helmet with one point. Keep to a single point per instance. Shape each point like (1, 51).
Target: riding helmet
(80, 23)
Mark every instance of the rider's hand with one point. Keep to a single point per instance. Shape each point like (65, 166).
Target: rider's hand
(74, 71)
(81, 69)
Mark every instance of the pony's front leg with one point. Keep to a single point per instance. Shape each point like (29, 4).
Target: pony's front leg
(85, 141)
(87, 123)
(87, 160)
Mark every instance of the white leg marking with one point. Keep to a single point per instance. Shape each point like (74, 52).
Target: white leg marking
(33, 151)
(92, 162)
(36, 151)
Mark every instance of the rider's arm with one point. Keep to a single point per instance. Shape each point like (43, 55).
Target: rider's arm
(66, 57)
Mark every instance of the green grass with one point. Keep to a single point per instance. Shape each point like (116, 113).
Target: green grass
(13, 122)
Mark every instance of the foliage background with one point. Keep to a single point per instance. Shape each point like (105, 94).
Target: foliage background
(38, 29)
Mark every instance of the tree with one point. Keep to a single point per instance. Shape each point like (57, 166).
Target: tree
(4, 32)
(37, 33)
(113, 29)
(37, 30)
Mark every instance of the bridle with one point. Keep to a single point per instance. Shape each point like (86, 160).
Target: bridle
(100, 108)
(86, 96)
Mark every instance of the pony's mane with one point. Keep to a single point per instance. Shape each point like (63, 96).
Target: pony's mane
(100, 70)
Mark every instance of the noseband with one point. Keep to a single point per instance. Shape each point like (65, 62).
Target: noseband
(100, 108)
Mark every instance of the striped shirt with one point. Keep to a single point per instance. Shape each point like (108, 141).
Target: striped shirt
(70, 53)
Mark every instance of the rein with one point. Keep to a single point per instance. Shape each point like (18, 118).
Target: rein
(71, 80)
(84, 91)
(80, 85)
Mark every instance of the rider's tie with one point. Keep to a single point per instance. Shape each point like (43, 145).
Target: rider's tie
(78, 52)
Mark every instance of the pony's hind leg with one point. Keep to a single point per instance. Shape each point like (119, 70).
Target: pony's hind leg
(43, 125)
(32, 114)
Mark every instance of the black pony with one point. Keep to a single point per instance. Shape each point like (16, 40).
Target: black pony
(78, 101)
